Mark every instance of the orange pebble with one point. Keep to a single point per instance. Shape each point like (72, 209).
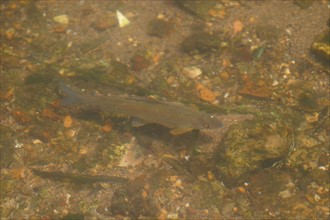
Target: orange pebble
(67, 121)
(205, 94)
(107, 128)
(241, 189)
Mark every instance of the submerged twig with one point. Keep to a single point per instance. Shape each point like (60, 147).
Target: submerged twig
(78, 178)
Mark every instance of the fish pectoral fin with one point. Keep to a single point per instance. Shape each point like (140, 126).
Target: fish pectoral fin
(180, 130)
(70, 97)
(137, 122)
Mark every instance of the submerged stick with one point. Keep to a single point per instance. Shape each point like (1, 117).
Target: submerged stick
(78, 178)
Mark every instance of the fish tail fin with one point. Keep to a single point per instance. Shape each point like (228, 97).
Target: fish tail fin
(70, 97)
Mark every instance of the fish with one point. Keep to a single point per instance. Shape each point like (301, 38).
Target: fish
(177, 117)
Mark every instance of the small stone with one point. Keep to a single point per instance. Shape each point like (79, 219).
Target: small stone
(61, 19)
(10, 33)
(210, 175)
(317, 198)
(237, 26)
(67, 121)
(71, 133)
(178, 183)
(275, 83)
(160, 16)
(241, 189)
(313, 117)
(308, 141)
(205, 94)
(192, 72)
(37, 141)
(172, 216)
(107, 127)
(217, 13)
(285, 194)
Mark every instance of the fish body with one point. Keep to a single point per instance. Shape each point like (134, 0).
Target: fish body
(178, 117)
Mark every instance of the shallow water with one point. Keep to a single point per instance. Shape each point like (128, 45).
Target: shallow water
(260, 67)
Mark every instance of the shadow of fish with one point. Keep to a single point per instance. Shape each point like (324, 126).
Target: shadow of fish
(179, 118)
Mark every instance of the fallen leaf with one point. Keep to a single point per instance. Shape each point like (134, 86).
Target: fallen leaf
(122, 20)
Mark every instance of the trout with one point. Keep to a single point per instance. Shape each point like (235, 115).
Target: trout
(178, 117)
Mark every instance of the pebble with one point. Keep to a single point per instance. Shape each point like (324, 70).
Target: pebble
(67, 121)
(10, 33)
(312, 117)
(317, 198)
(285, 194)
(205, 94)
(61, 19)
(308, 141)
(192, 72)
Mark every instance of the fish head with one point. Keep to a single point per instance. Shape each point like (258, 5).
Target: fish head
(210, 122)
